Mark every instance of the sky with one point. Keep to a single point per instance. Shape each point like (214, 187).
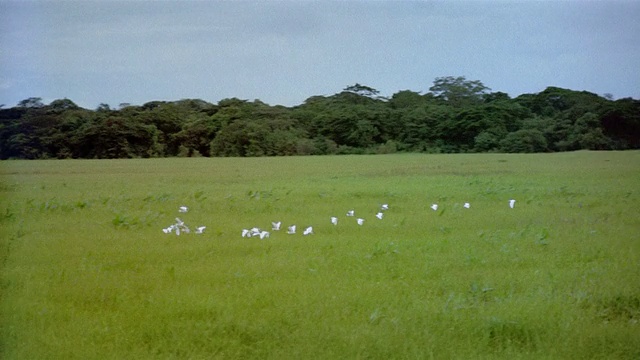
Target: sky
(283, 52)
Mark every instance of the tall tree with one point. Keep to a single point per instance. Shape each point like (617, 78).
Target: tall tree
(32, 102)
(459, 91)
(362, 90)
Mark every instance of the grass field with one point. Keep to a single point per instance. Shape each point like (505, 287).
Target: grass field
(87, 273)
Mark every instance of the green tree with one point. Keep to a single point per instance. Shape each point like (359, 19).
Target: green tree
(407, 99)
(113, 137)
(458, 91)
(587, 134)
(486, 141)
(103, 108)
(63, 105)
(524, 141)
(424, 127)
(496, 97)
(621, 123)
(362, 90)
(196, 134)
(32, 103)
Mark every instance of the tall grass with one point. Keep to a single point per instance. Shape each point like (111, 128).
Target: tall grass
(88, 274)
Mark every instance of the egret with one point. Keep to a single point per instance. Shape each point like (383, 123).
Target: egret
(351, 213)
(467, 205)
(255, 231)
(360, 221)
(200, 229)
(292, 229)
(183, 209)
(308, 231)
(275, 226)
(264, 234)
(512, 203)
(334, 220)
(379, 215)
(246, 233)
(385, 207)
(434, 207)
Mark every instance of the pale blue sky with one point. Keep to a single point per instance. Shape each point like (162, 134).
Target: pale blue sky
(283, 52)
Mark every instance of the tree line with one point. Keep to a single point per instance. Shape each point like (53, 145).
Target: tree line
(456, 115)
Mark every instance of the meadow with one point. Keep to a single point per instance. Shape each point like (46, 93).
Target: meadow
(87, 273)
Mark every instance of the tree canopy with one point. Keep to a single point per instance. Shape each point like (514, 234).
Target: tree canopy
(456, 115)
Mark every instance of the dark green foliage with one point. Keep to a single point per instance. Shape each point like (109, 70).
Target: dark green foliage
(620, 121)
(458, 91)
(117, 137)
(524, 141)
(457, 115)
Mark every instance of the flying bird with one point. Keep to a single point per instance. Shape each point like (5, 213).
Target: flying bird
(385, 207)
(275, 226)
(379, 215)
(360, 221)
(512, 203)
(200, 229)
(264, 234)
(434, 207)
(292, 229)
(467, 205)
(351, 213)
(334, 220)
(308, 231)
(183, 209)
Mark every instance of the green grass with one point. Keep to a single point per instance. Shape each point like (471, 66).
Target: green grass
(86, 272)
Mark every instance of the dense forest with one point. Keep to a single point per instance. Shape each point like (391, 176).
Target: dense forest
(456, 115)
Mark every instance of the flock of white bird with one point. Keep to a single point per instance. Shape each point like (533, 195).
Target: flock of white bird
(179, 227)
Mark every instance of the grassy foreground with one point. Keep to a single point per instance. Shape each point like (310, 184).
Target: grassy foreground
(87, 273)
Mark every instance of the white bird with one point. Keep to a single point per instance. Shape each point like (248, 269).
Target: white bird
(351, 213)
(379, 215)
(255, 231)
(308, 231)
(434, 207)
(292, 229)
(467, 205)
(179, 222)
(275, 226)
(183, 209)
(385, 207)
(264, 234)
(200, 229)
(166, 231)
(177, 230)
(512, 203)
(246, 233)
(360, 221)
(334, 220)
